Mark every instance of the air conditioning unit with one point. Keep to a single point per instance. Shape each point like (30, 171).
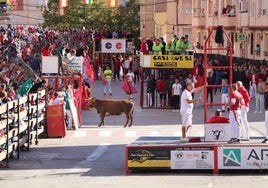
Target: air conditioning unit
(265, 53)
(243, 6)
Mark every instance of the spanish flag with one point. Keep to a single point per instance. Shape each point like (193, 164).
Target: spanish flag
(112, 3)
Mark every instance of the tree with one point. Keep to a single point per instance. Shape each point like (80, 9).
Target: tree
(94, 16)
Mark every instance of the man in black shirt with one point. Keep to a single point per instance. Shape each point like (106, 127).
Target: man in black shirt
(37, 86)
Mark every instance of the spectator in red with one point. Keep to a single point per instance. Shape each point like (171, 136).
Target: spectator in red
(144, 46)
(46, 50)
(218, 118)
(161, 88)
(117, 66)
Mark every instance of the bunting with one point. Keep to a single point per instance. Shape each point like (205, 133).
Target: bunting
(88, 2)
(112, 3)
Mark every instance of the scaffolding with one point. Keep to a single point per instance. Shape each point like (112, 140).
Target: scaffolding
(208, 48)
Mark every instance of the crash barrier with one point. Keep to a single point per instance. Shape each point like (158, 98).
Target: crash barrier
(21, 123)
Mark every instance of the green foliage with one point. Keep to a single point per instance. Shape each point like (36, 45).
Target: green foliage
(94, 16)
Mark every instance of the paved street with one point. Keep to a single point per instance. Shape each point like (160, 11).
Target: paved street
(95, 157)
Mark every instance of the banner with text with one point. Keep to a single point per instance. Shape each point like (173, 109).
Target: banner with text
(167, 61)
(76, 65)
(113, 46)
(255, 157)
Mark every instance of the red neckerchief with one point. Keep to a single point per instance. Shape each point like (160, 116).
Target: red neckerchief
(188, 89)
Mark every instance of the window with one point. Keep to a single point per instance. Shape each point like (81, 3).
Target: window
(199, 7)
(264, 7)
(252, 8)
(243, 6)
(187, 7)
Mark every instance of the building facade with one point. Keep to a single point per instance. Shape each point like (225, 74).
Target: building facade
(246, 22)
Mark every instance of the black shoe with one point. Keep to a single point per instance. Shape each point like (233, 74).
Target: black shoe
(233, 140)
(265, 141)
(110, 93)
(223, 111)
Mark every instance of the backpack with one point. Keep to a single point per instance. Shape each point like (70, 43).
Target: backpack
(219, 38)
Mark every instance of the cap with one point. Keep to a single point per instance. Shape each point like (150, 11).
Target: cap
(218, 111)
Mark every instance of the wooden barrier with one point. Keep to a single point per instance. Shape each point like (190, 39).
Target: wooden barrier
(21, 122)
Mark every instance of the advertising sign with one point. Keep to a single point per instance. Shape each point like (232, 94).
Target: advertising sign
(167, 61)
(76, 65)
(192, 159)
(217, 132)
(113, 46)
(49, 64)
(148, 158)
(243, 157)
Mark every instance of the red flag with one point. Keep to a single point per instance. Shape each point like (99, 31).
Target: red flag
(89, 71)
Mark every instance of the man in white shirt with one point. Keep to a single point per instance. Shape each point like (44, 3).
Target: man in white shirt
(58, 99)
(176, 93)
(187, 105)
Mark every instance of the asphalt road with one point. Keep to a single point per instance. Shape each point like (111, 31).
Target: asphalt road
(95, 157)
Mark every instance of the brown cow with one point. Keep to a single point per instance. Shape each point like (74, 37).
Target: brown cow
(109, 107)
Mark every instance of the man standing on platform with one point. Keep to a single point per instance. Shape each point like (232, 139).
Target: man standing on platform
(187, 105)
(236, 102)
(244, 110)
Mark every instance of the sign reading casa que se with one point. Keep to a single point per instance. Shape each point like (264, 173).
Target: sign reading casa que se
(167, 61)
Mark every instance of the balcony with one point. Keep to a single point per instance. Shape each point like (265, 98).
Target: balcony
(5, 16)
(226, 20)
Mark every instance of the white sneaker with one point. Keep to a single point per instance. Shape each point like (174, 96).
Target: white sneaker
(175, 110)
(184, 139)
(260, 112)
(255, 112)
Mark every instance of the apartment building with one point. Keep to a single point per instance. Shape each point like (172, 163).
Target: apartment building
(246, 22)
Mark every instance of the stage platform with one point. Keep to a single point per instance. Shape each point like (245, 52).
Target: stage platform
(168, 153)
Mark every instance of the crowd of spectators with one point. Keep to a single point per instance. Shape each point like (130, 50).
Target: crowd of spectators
(30, 42)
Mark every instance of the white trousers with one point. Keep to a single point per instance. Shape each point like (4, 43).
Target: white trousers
(70, 118)
(244, 122)
(235, 123)
(107, 86)
(224, 99)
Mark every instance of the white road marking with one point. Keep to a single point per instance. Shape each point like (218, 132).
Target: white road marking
(210, 184)
(155, 133)
(105, 133)
(80, 133)
(97, 153)
(130, 134)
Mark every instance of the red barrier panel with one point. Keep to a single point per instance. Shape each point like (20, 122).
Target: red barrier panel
(55, 121)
